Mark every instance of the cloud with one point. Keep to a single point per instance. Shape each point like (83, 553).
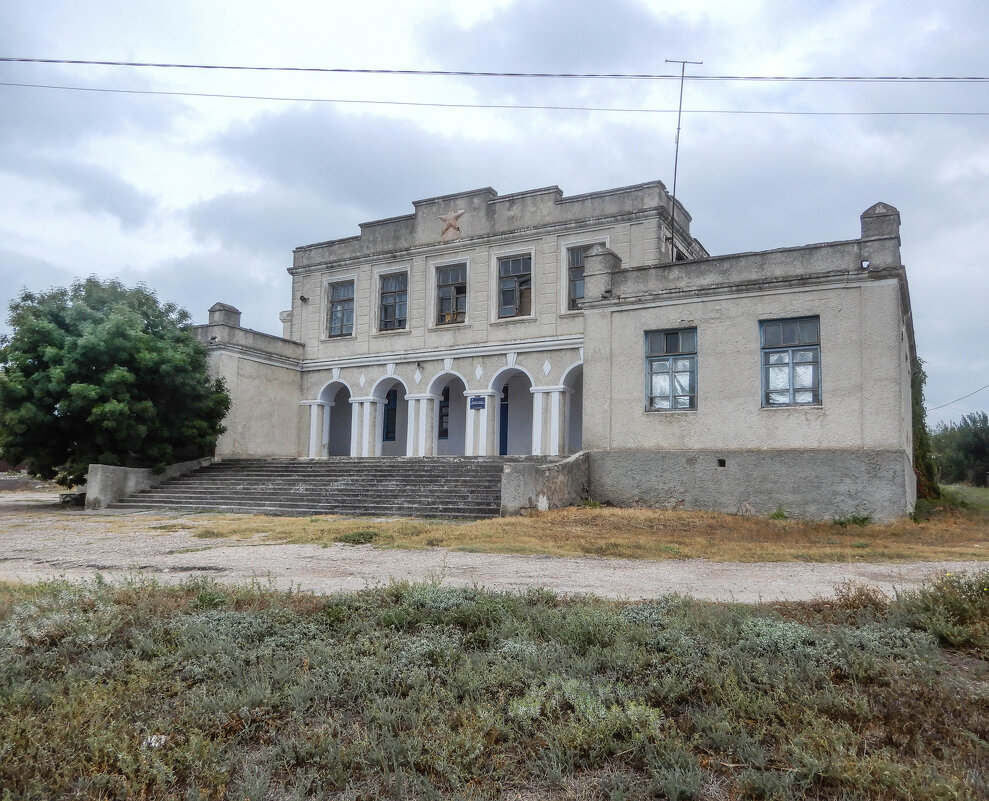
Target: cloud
(95, 189)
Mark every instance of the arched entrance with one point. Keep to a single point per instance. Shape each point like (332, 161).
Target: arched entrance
(513, 416)
(393, 414)
(573, 380)
(337, 413)
(450, 414)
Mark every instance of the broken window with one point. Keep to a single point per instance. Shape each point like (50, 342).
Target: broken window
(791, 362)
(451, 294)
(394, 301)
(515, 286)
(340, 314)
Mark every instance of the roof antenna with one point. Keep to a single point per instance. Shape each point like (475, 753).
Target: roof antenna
(676, 156)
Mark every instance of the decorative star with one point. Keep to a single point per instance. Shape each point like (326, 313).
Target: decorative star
(450, 222)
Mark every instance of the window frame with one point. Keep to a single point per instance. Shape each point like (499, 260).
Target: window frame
(670, 358)
(565, 244)
(443, 414)
(792, 345)
(438, 288)
(395, 304)
(389, 416)
(518, 288)
(331, 303)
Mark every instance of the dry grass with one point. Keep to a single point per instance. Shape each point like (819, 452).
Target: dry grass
(947, 534)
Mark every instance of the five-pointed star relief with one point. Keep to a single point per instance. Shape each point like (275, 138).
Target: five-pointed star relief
(450, 222)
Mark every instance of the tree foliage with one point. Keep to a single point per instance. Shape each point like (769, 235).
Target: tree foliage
(961, 449)
(101, 373)
(923, 461)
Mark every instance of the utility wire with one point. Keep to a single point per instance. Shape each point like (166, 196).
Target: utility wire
(970, 394)
(480, 74)
(521, 106)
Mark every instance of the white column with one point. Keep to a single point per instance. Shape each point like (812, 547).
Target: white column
(552, 436)
(325, 445)
(313, 424)
(355, 428)
(537, 420)
(411, 407)
(479, 426)
(421, 437)
(365, 434)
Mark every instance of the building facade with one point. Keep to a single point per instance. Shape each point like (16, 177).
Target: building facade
(543, 325)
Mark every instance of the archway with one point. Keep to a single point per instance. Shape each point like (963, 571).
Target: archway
(573, 380)
(513, 418)
(393, 414)
(336, 419)
(450, 414)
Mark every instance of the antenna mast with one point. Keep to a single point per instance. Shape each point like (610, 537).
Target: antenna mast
(676, 156)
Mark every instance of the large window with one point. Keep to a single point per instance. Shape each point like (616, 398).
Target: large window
(340, 313)
(671, 365)
(394, 301)
(575, 276)
(791, 362)
(515, 286)
(451, 294)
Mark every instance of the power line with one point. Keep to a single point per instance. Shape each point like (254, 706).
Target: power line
(521, 106)
(970, 394)
(493, 74)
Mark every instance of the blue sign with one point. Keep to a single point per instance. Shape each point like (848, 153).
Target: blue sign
(477, 402)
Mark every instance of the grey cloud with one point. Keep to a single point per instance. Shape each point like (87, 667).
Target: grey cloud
(95, 188)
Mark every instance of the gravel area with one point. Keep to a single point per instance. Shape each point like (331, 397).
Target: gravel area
(41, 540)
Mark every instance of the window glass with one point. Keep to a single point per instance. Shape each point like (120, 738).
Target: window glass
(340, 313)
(451, 294)
(791, 372)
(394, 301)
(515, 286)
(671, 361)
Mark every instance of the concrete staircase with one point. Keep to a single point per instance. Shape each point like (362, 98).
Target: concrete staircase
(450, 487)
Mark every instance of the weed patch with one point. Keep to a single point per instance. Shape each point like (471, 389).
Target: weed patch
(426, 691)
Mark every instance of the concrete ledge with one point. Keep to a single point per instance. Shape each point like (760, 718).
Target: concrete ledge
(106, 483)
(814, 484)
(530, 486)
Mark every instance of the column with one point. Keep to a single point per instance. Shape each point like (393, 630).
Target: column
(549, 425)
(480, 436)
(314, 421)
(365, 439)
(421, 426)
(325, 444)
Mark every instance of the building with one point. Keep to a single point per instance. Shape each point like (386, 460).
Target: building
(543, 325)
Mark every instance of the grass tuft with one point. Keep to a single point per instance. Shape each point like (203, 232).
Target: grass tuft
(133, 690)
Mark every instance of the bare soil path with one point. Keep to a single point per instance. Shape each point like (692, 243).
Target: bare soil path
(41, 540)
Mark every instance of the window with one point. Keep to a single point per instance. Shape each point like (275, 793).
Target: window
(671, 363)
(791, 361)
(451, 294)
(444, 426)
(515, 286)
(394, 301)
(340, 315)
(575, 276)
(389, 424)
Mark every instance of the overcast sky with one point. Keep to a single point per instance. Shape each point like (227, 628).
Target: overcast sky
(204, 198)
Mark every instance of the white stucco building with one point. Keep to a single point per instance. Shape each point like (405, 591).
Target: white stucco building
(538, 324)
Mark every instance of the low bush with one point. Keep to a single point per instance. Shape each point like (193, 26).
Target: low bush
(425, 691)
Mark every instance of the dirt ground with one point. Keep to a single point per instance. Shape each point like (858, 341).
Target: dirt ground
(41, 540)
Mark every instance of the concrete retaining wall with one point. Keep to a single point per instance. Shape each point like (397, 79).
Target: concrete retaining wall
(530, 486)
(107, 483)
(820, 484)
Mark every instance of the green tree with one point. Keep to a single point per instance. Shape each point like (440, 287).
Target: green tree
(100, 373)
(962, 449)
(923, 461)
